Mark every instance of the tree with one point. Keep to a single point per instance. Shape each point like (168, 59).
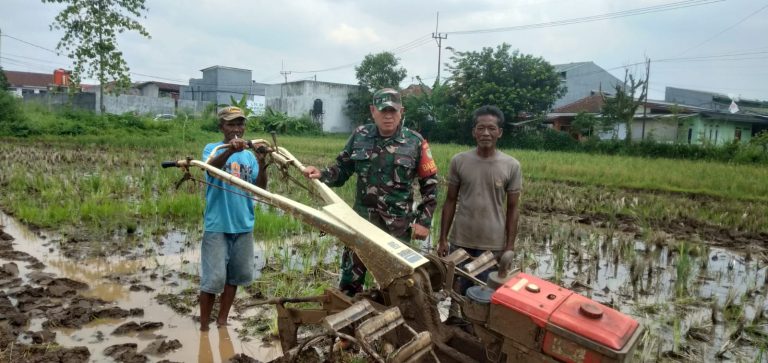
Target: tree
(376, 71)
(512, 81)
(429, 109)
(12, 119)
(3, 81)
(622, 106)
(584, 124)
(90, 39)
(380, 71)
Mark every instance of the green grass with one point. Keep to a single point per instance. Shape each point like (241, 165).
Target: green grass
(109, 181)
(666, 175)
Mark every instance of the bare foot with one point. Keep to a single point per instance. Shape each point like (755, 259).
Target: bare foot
(204, 327)
(220, 324)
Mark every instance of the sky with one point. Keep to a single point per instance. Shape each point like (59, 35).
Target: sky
(710, 45)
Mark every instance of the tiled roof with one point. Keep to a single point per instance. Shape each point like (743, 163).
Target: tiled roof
(18, 79)
(593, 104)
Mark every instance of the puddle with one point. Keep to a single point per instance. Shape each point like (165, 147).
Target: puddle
(218, 345)
(671, 288)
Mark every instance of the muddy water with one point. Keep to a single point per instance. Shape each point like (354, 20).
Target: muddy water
(217, 345)
(671, 288)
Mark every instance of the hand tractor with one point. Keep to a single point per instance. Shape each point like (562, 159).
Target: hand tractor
(512, 317)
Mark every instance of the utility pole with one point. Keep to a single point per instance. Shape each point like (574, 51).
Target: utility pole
(645, 87)
(285, 74)
(439, 39)
(282, 86)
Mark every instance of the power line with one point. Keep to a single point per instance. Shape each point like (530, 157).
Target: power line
(424, 39)
(734, 57)
(156, 77)
(591, 18)
(30, 58)
(726, 29)
(32, 44)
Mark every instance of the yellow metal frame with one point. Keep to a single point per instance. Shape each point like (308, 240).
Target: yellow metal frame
(385, 257)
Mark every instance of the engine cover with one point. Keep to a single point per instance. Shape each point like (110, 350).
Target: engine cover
(537, 316)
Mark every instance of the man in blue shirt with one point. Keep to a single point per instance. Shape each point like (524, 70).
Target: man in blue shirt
(226, 254)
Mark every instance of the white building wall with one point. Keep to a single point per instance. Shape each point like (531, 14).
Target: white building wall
(297, 99)
(583, 78)
(660, 130)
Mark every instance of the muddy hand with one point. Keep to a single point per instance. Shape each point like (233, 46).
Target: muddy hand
(442, 248)
(261, 153)
(419, 232)
(238, 144)
(311, 172)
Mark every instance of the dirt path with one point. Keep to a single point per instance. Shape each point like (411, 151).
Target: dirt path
(56, 309)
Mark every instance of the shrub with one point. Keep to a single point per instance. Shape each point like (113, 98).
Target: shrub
(536, 138)
(13, 122)
(283, 124)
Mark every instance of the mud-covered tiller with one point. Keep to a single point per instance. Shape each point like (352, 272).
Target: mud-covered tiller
(513, 317)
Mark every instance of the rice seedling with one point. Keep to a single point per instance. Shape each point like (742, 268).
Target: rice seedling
(683, 268)
(109, 185)
(677, 335)
(649, 344)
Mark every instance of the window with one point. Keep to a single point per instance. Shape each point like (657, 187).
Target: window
(717, 131)
(690, 135)
(737, 134)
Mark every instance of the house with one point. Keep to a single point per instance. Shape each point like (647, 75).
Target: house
(23, 83)
(582, 79)
(415, 90)
(323, 101)
(719, 123)
(665, 121)
(718, 128)
(158, 89)
(220, 84)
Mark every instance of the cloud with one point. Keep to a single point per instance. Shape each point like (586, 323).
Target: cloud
(305, 35)
(348, 35)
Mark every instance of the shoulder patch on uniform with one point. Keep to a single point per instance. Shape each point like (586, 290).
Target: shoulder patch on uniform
(427, 166)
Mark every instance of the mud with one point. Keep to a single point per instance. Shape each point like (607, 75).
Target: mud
(162, 347)
(680, 228)
(87, 310)
(45, 353)
(134, 327)
(125, 353)
(137, 302)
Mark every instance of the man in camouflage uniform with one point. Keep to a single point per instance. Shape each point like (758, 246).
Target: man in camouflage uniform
(387, 157)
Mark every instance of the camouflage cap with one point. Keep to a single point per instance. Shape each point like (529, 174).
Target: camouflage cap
(230, 113)
(387, 97)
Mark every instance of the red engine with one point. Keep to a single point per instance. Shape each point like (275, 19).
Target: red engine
(542, 322)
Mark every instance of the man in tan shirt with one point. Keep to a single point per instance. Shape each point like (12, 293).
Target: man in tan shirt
(484, 185)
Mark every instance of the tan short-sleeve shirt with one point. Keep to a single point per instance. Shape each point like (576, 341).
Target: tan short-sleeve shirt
(483, 183)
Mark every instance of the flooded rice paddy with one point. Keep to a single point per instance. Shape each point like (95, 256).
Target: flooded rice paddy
(695, 302)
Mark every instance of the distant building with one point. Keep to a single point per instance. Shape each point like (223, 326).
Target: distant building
(582, 80)
(713, 101)
(220, 84)
(158, 89)
(709, 122)
(719, 124)
(323, 101)
(23, 83)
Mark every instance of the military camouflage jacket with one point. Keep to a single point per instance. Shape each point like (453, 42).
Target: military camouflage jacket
(386, 169)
